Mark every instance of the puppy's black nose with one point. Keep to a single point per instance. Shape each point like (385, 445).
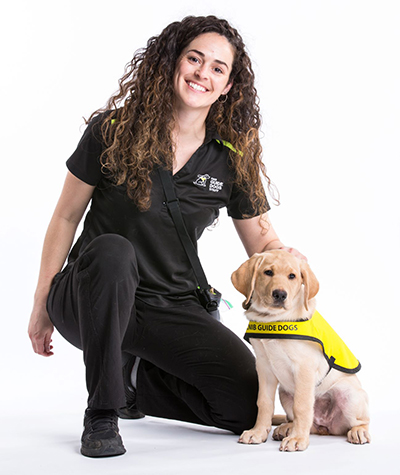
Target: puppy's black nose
(279, 295)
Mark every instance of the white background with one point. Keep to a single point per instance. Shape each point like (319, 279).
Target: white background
(328, 79)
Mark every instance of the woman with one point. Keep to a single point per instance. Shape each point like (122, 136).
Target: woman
(186, 103)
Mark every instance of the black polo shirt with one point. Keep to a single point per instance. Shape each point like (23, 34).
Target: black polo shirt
(203, 186)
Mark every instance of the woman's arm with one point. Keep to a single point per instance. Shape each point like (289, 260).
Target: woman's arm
(60, 234)
(259, 239)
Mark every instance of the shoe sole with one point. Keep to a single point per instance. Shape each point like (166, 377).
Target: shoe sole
(108, 448)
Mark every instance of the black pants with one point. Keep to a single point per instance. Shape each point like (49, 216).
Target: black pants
(192, 367)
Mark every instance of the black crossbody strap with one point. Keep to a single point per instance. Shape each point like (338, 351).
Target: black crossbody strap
(172, 203)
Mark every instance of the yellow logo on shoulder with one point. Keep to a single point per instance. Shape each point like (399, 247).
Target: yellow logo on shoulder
(315, 329)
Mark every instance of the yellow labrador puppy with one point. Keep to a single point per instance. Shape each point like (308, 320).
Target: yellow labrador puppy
(297, 349)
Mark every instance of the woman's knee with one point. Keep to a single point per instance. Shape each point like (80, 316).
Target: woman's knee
(111, 255)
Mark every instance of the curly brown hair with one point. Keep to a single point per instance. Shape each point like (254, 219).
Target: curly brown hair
(137, 130)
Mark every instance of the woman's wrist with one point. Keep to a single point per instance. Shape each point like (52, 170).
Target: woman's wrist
(41, 295)
(275, 244)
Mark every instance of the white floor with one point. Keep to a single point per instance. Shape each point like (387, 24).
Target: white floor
(48, 442)
(41, 412)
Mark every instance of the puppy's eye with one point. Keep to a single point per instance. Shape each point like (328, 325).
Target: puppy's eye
(269, 273)
(292, 276)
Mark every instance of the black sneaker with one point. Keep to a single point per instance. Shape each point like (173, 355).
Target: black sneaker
(101, 437)
(130, 411)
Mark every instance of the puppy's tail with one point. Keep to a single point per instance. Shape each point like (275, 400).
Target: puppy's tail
(278, 419)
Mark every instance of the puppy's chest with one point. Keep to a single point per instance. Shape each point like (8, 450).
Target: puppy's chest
(286, 357)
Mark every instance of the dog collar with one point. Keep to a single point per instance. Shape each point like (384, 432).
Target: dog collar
(315, 329)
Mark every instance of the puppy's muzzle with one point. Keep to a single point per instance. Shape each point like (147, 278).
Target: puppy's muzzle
(279, 296)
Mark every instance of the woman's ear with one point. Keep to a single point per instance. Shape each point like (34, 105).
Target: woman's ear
(227, 88)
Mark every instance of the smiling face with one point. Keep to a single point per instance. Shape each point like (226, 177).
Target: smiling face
(202, 71)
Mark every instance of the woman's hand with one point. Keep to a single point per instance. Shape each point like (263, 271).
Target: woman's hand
(40, 330)
(295, 252)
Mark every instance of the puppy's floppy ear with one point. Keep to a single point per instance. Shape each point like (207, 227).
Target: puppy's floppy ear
(244, 279)
(311, 284)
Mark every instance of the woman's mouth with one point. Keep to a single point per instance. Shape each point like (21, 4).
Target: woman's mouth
(196, 87)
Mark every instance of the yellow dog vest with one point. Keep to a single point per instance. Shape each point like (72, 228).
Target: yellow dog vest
(316, 329)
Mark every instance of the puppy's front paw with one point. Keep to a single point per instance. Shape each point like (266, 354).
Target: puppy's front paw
(254, 436)
(294, 444)
(359, 435)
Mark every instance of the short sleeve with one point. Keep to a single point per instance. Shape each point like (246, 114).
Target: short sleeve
(240, 206)
(84, 163)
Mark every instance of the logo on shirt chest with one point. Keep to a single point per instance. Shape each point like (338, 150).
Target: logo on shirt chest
(206, 181)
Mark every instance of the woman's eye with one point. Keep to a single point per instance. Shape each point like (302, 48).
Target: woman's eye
(292, 276)
(269, 273)
(218, 70)
(193, 59)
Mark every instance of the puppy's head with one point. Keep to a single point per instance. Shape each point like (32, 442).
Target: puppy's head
(273, 282)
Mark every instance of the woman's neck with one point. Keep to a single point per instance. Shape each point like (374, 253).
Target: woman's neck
(190, 125)
(188, 135)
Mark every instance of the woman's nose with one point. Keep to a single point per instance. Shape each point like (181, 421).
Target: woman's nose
(201, 71)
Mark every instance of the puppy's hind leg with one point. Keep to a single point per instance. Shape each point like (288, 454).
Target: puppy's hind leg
(359, 435)
(282, 431)
(353, 402)
(359, 432)
(285, 426)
